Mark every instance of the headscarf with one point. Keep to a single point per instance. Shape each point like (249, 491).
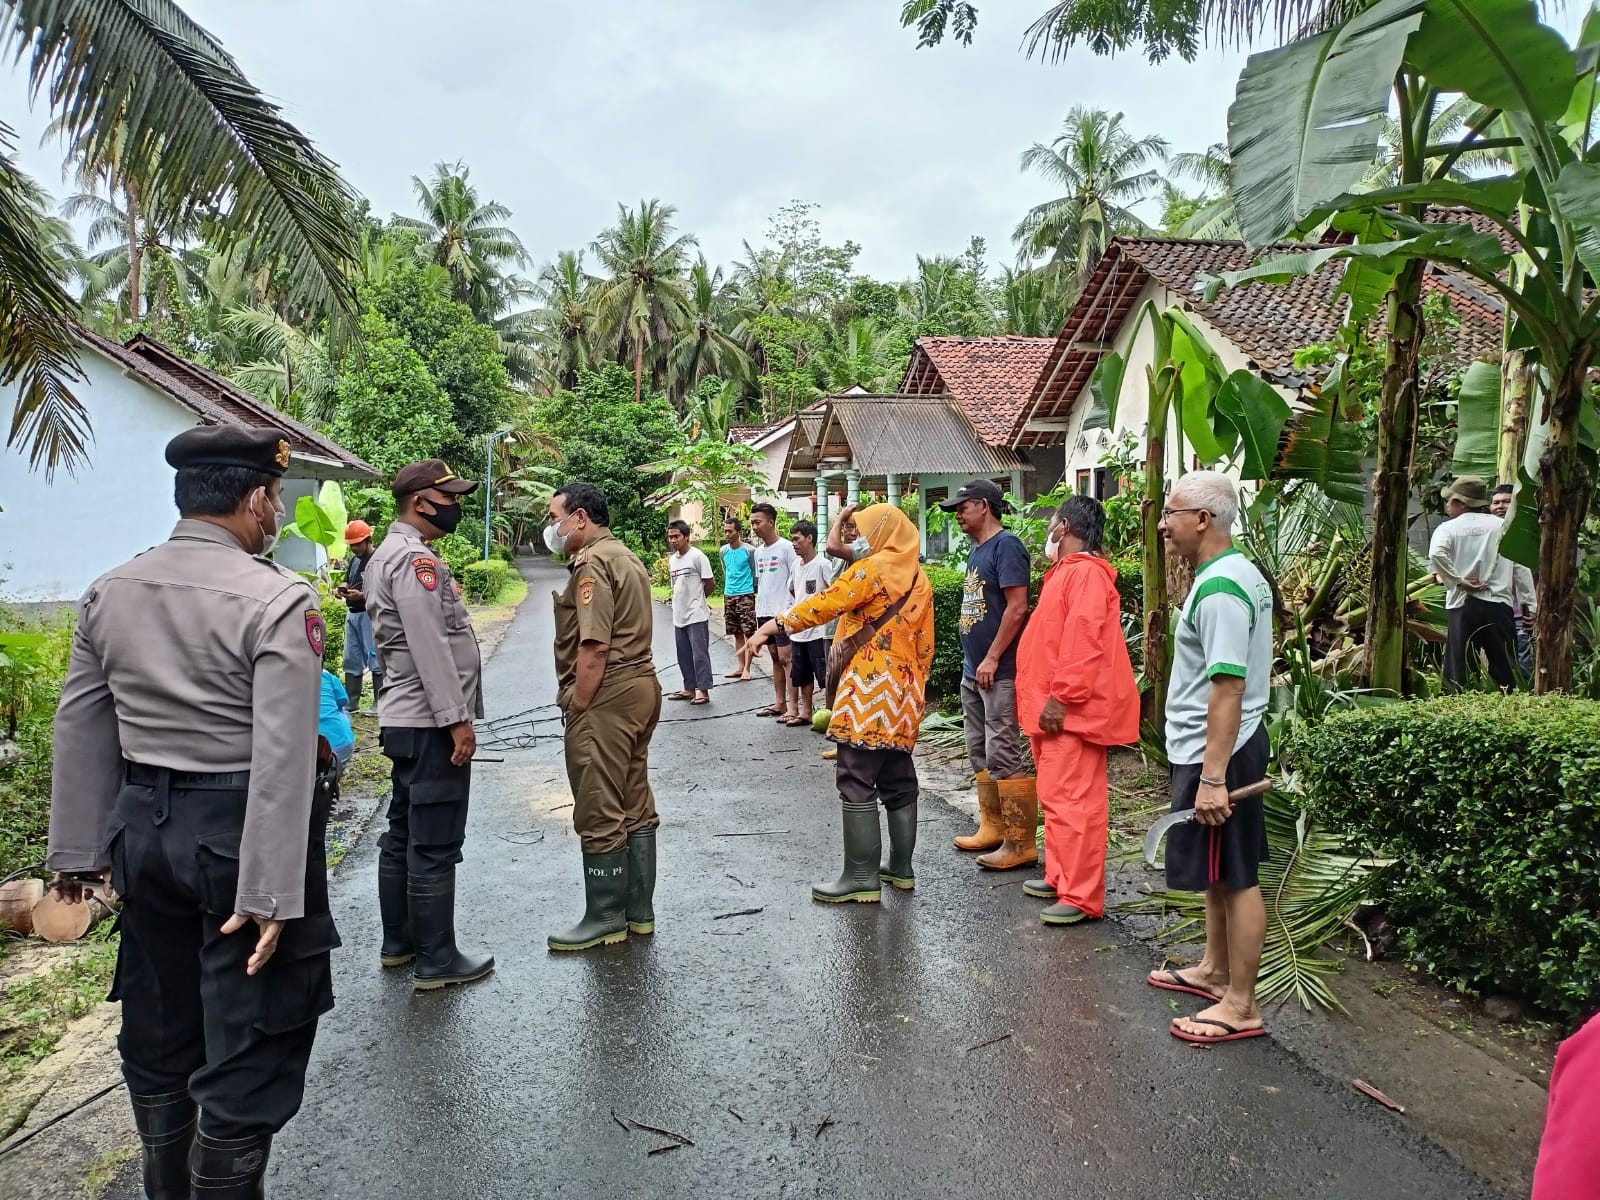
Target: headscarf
(896, 547)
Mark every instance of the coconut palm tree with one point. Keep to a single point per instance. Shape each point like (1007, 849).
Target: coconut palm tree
(464, 235)
(643, 302)
(1036, 303)
(188, 126)
(862, 355)
(565, 322)
(1214, 216)
(1103, 171)
(706, 343)
(293, 371)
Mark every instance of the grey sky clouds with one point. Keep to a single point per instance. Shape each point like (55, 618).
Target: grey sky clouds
(725, 108)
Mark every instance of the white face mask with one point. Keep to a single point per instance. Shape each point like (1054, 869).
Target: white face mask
(269, 541)
(1052, 544)
(555, 541)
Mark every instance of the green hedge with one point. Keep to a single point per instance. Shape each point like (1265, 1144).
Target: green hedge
(334, 611)
(1491, 807)
(482, 582)
(947, 583)
(1130, 583)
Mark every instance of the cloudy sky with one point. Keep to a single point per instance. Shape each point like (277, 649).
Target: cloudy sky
(725, 108)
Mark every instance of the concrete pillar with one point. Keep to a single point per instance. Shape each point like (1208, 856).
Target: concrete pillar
(852, 486)
(1016, 487)
(894, 490)
(822, 507)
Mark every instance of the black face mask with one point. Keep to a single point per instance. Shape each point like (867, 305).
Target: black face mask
(444, 517)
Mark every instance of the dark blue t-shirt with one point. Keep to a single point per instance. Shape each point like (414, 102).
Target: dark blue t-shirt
(999, 563)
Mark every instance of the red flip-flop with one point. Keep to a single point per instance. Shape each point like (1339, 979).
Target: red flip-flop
(1229, 1033)
(1177, 984)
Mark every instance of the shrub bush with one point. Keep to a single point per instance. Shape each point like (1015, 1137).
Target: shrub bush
(334, 611)
(1130, 583)
(1491, 807)
(30, 689)
(484, 581)
(457, 552)
(947, 584)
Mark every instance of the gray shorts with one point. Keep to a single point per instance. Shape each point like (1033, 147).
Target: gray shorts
(994, 740)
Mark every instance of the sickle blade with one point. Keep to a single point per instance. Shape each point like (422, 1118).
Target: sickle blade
(1152, 840)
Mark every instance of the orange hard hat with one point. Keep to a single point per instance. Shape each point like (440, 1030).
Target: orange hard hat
(356, 531)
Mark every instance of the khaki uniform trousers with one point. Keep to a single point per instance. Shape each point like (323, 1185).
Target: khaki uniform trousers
(608, 749)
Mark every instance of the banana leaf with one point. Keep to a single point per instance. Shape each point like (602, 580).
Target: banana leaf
(1478, 422)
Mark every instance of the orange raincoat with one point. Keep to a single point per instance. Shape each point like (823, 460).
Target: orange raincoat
(1073, 650)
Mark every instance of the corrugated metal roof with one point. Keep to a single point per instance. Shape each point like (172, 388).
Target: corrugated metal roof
(913, 435)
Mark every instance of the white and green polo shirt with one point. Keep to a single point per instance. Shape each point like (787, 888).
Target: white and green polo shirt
(1225, 628)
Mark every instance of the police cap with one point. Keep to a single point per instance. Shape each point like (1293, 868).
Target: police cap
(430, 473)
(263, 450)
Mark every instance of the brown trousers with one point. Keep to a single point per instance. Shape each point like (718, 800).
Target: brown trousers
(608, 750)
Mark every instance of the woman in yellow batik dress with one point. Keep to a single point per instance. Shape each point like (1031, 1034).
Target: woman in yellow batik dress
(877, 709)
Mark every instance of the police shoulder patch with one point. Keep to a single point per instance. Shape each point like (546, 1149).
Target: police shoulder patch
(427, 572)
(586, 589)
(316, 632)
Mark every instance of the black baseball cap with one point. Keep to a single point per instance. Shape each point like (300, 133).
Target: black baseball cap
(978, 489)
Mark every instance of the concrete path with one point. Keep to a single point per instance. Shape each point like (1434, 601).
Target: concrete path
(807, 1051)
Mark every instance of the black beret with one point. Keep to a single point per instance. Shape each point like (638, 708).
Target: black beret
(430, 473)
(263, 450)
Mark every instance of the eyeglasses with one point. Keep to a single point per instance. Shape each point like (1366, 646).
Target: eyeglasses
(1172, 512)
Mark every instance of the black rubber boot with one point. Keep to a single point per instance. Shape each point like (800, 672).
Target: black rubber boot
(352, 687)
(377, 686)
(863, 849)
(1039, 889)
(166, 1134)
(902, 841)
(1061, 913)
(432, 899)
(398, 948)
(605, 896)
(642, 881)
(230, 1168)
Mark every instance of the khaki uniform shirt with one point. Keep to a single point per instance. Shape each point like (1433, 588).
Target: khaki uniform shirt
(607, 600)
(432, 671)
(197, 657)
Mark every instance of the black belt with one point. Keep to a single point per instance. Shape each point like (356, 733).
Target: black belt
(142, 776)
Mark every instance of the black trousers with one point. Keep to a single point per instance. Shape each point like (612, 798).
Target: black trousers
(1480, 625)
(428, 809)
(694, 655)
(191, 1018)
(864, 776)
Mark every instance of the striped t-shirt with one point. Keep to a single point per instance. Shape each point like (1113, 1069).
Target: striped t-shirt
(1225, 628)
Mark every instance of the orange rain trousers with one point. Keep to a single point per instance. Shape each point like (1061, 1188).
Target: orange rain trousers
(1075, 802)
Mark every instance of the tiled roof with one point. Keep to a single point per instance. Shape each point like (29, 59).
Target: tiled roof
(1268, 322)
(748, 435)
(991, 378)
(914, 435)
(216, 401)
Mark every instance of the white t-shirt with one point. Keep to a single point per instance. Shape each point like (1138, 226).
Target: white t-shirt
(1225, 629)
(774, 566)
(809, 579)
(1468, 547)
(689, 605)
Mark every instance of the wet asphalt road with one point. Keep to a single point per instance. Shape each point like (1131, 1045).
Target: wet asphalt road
(839, 1037)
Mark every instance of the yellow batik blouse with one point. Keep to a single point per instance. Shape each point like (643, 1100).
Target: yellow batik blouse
(882, 694)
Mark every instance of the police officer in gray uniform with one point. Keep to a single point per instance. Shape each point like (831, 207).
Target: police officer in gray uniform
(432, 690)
(185, 761)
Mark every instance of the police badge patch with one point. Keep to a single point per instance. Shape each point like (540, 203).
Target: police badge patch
(316, 631)
(427, 572)
(585, 590)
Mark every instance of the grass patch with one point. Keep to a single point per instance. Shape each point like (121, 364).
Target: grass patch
(35, 1011)
(103, 1171)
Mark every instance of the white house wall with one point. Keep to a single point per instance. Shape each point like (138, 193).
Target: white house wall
(57, 536)
(1133, 410)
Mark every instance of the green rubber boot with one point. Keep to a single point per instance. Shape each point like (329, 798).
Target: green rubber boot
(605, 893)
(863, 848)
(641, 881)
(1040, 888)
(1062, 914)
(902, 841)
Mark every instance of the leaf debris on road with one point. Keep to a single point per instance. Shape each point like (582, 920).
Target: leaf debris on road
(826, 1121)
(752, 833)
(1366, 1089)
(1002, 1037)
(743, 912)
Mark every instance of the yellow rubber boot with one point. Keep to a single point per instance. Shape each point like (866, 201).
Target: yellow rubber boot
(991, 832)
(1019, 807)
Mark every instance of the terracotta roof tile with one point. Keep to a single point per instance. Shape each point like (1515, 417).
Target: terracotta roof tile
(989, 378)
(1267, 321)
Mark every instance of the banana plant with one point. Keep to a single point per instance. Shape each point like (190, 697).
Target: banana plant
(1234, 419)
(1537, 98)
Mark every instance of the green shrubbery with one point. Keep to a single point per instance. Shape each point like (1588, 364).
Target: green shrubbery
(334, 611)
(33, 662)
(1491, 807)
(484, 581)
(947, 584)
(1130, 583)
